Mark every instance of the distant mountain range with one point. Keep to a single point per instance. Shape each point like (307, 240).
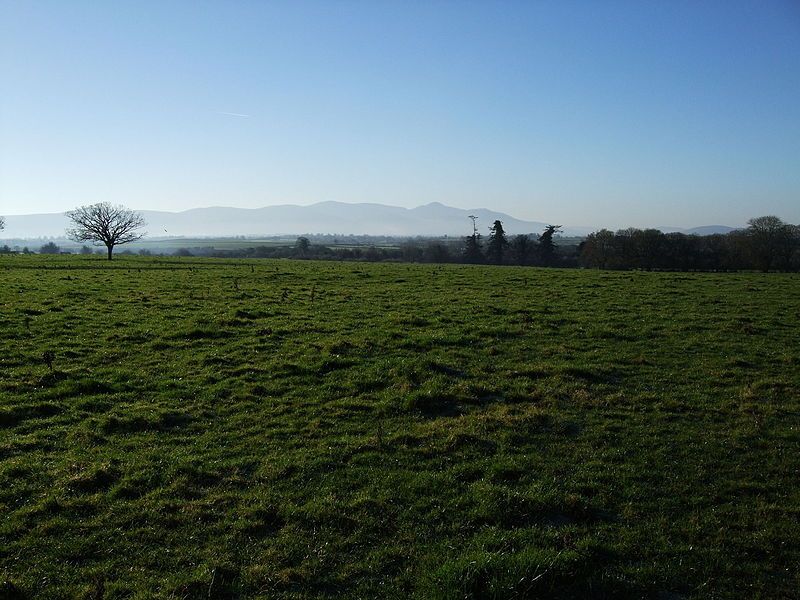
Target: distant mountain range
(432, 219)
(703, 230)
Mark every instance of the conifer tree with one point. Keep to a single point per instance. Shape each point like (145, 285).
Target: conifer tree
(497, 243)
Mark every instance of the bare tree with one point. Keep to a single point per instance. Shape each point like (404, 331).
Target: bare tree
(474, 220)
(599, 249)
(770, 242)
(104, 223)
(472, 244)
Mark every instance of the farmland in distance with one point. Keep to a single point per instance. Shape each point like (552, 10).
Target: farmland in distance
(193, 428)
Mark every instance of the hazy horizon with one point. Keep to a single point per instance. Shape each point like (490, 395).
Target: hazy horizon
(311, 204)
(590, 114)
(323, 218)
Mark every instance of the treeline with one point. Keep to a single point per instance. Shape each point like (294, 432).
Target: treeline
(766, 244)
(533, 250)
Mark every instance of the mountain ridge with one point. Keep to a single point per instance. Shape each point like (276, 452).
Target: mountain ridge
(325, 217)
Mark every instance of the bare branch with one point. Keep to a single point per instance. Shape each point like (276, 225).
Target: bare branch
(106, 224)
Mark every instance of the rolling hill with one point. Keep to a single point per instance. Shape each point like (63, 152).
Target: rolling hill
(434, 219)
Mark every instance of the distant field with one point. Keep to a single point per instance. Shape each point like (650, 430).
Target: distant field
(288, 429)
(169, 245)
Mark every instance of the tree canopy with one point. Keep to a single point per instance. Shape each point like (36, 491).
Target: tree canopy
(547, 247)
(497, 243)
(105, 223)
(768, 243)
(771, 242)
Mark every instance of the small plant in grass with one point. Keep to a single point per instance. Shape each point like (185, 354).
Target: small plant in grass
(9, 590)
(379, 434)
(48, 356)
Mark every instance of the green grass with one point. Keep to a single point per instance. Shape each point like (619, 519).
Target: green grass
(287, 429)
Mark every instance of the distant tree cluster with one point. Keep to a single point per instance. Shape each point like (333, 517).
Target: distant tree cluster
(766, 244)
(303, 249)
(524, 249)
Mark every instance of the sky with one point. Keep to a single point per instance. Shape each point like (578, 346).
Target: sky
(606, 114)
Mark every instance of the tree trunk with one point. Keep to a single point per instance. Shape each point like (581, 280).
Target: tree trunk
(110, 250)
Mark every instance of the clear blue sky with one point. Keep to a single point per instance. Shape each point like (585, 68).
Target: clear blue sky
(605, 113)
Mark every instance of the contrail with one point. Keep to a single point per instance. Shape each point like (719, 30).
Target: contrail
(230, 114)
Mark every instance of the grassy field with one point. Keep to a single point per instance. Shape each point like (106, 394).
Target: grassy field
(287, 429)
